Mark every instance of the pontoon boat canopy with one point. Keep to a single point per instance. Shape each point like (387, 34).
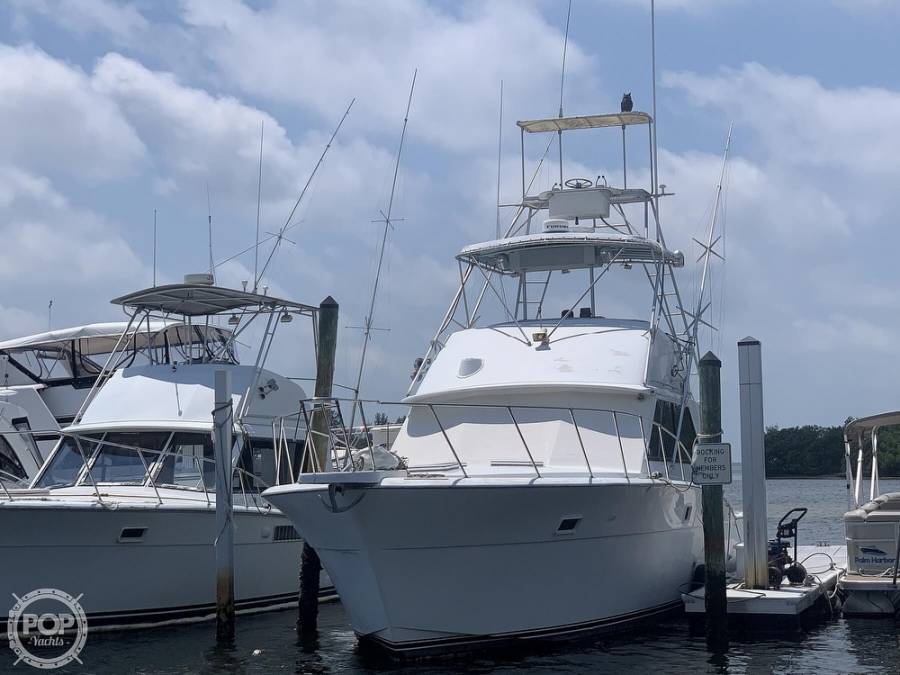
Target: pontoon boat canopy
(202, 300)
(101, 338)
(585, 122)
(866, 424)
(565, 250)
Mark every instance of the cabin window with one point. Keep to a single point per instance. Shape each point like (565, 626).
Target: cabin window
(662, 439)
(190, 461)
(124, 457)
(21, 424)
(67, 462)
(10, 466)
(257, 460)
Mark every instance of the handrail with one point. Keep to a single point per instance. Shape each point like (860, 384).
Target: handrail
(447, 438)
(622, 448)
(5, 491)
(896, 559)
(680, 454)
(527, 449)
(84, 475)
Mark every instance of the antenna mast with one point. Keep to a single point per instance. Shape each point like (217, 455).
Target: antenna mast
(212, 265)
(367, 334)
(499, 157)
(655, 169)
(262, 130)
(50, 315)
(278, 236)
(700, 309)
(562, 84)
(154, 247)
(708, 247)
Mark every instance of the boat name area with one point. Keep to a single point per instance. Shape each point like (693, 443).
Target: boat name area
(711, 464)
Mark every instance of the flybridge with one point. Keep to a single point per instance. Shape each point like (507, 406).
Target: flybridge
(198, 302)
(581, 225)
(544, 252)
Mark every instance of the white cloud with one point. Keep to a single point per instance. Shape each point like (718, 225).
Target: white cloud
(669, 5)
(124, 22)
(55, 121)
(801, 121)
(54, 249)
(319, 55)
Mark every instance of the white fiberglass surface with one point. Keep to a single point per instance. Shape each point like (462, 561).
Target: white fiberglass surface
(587, 353)
(495, 437)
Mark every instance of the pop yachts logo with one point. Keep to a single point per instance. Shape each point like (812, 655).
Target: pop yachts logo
(52, 637)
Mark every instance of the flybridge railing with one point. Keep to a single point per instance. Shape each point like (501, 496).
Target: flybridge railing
(249, 485)
(672, 452)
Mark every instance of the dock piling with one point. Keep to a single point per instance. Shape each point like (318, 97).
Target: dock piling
(709, 370)
(310, 566)
(224, 542)
(753, 464)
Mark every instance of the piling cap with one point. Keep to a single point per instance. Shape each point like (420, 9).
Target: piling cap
(711, 359)
(328, 302)
(748, 341)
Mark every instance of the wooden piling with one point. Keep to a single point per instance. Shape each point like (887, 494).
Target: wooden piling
(709, 370)
(310, 566)
(224, 542)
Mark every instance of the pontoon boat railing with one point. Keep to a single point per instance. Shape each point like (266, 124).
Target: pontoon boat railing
(339, 437)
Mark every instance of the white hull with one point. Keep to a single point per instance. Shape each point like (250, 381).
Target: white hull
(422, 567)
(166, 575)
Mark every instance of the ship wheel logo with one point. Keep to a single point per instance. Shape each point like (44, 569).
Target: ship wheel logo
(52, 637)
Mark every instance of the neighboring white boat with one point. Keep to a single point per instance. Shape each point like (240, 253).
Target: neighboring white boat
(48, 375)
(546, 484)
(873, 526)
(122, 514)
(20, 457)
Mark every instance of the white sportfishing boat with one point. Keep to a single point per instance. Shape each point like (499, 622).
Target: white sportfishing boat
(48, 375)
(122, 513)
(872, 525)
(545, 488)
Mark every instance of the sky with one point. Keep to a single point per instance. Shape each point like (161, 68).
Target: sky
(111, 110)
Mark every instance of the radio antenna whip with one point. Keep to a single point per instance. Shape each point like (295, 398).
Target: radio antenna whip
(212, 265)
(154, 247)
(386, 219)
(278, 236)
(562, 75)
(262, 131)
(499, 157)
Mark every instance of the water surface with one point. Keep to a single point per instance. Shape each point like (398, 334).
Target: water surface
(267, 643)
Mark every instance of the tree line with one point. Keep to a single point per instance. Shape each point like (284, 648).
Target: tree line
(813, 450)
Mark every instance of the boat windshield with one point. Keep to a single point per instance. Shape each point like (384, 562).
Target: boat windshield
(126, 456)
(67, 462)
(130, 457)
(184, 459)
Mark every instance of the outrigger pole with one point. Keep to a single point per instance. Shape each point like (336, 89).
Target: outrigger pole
(278, 236)
(367, 328)
(700, 309)
(287, 224)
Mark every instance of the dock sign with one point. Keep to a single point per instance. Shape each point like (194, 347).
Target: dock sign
(711, 464)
